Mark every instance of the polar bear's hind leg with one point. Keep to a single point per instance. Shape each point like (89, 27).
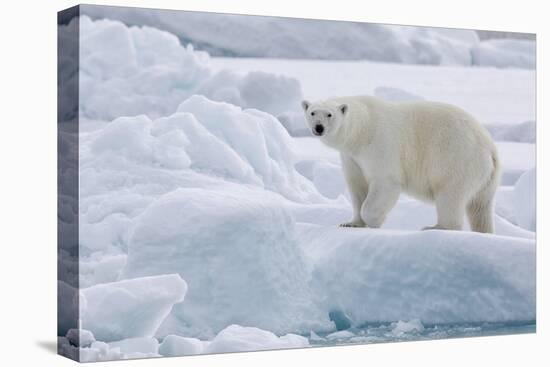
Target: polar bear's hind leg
(451, 208)
(480, 208)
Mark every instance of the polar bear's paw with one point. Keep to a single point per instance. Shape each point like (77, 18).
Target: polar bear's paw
(353, 224)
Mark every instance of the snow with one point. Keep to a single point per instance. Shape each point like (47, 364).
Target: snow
(274, 94)
(493, 96)
(174, 345)
(524, 132)
(233, 338)
(146, 345)
(125, 349)
(101, 267)
(250, 147)
(277, 37)
(258, 139)
(340, 335)
(516, 158)
(505, 53)
(404, 327)
(99, 351)
(313, 336)
(504, 203)
(327, 179)
(396, 95)
(191, 187)
(144, 70)
(237, 252)
(525, 200)
(434, 276)
(147, 71)
(129, 308)
(236, 338)
(80, 337)
(187, 149)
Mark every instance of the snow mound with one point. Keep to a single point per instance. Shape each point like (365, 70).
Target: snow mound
(403, 327)
(433, 276)
(129, 71)
(392, 94)
(339, 335)
(205, 144)
(238, 254)
(327, 177)
(100, 267)
(129, 308)
(525, 199)
(80, 337)
(525, 132)
(125, 349)
(516, 159)
(99, 351)
(313, 336)
(144, 345)
(274, 94)
(250, 147)
(295, 123)
(233, 338)
(236, 338)
(96, 352)
(258, 139)
(174, 345)
(505, 53)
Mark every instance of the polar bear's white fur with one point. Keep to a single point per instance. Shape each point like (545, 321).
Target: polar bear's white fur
(432, 151)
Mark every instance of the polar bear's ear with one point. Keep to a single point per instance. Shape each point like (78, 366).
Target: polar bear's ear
(305, 105)
(343, 108)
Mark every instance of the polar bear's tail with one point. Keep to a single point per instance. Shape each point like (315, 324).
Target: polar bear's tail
(480, 208)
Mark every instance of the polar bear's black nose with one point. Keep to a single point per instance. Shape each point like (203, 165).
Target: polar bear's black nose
(319, 129)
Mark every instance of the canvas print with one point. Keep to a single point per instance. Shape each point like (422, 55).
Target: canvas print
(233, 183)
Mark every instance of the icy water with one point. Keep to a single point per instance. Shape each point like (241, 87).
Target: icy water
(385, 333)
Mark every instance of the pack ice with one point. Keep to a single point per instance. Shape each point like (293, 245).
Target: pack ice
(246, 36)
(147, 71)
(130, 308)
(204, 229)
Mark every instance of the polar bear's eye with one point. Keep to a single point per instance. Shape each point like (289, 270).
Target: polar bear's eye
(313, 114)
(329, 115)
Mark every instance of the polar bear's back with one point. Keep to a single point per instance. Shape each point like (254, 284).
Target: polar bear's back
(440, 143)
(444, 126)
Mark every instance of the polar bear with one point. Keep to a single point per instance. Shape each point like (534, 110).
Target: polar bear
(435, 152)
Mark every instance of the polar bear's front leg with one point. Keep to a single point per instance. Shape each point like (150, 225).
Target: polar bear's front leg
(358, 189)
(382, 196)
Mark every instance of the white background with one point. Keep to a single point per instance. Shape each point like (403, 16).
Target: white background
(28, 162)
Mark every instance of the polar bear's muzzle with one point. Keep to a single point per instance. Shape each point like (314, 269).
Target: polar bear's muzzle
(318, 129)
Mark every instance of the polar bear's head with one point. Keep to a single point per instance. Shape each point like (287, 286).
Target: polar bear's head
(324, 118)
